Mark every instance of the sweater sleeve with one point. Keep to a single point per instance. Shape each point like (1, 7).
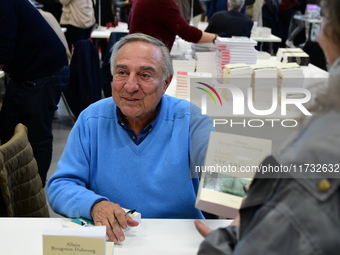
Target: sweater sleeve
(68, 189)
(200, 128)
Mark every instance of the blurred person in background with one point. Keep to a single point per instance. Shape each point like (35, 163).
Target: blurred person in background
(254, 11)
(78, 17)
(230, 23)
(205, 4)
(35, 59)
(164, 21)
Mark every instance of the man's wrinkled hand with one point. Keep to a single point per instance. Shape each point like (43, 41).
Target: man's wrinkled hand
(111, 215)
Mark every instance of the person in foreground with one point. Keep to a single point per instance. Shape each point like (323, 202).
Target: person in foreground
(134, 151)
(297, 212)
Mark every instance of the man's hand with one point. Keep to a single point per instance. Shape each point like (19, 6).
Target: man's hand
(111, 215)
(202, 229)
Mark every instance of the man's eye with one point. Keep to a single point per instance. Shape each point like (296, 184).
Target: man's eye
(121, 73)
(145, 76)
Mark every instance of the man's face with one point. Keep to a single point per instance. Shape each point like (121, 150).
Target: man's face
(137, 79)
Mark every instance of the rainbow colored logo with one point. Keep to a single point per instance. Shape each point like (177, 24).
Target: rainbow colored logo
(209, 92)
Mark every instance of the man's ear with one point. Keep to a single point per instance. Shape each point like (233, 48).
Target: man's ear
(167, 83)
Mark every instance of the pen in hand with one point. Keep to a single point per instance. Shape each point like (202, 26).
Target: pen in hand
(128, 213)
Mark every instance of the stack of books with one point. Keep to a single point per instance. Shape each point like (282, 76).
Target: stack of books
(237, 70)
(183, 82)
(238, 75)
(233, 51)
(183, 65)
(206, 62)
(289, 70)
(264, 83)
(290, 75)
(288, 55)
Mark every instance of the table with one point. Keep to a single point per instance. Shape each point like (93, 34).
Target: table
(153, 236)
(103, 32)
(271, 39)
(312, 26)
(307, 19)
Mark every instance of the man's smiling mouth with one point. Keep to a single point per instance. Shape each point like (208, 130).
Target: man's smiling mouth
(131, 99)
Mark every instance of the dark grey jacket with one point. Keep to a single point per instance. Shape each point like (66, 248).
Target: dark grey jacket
(296, 212)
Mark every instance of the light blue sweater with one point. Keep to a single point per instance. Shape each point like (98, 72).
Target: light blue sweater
(100, 161)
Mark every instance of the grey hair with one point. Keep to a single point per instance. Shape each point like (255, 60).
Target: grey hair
(139, 37)
(236, 4)
(330, 97)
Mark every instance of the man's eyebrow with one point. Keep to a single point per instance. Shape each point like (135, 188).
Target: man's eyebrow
(147, 68)
(142, 68)
(121, 66)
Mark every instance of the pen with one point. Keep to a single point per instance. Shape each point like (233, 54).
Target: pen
(128, 213)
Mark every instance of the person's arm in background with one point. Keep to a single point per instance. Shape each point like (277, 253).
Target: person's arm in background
(179, 26)
(207, 38)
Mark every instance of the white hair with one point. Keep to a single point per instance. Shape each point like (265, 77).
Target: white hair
(236, 4)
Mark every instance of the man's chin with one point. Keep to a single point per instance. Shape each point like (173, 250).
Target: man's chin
(131, 113)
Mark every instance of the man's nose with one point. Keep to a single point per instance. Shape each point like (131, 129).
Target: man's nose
(132, 84)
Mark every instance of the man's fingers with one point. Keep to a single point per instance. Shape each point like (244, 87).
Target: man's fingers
(117, 230)
(113, 217)
(109, 229)
(202, 229)
(120, 218)
(131, 222)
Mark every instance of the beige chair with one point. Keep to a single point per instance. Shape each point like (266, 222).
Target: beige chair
(21, 186)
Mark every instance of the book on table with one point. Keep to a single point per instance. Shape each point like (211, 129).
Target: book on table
(230, 165)
(83, 222)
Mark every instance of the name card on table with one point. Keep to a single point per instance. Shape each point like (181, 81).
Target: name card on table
(74, 241)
